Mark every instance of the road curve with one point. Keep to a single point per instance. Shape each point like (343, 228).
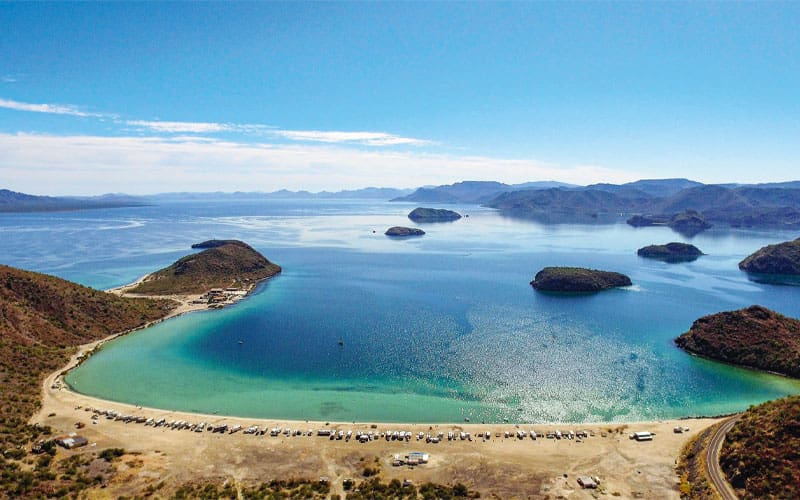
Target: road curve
(713, 469)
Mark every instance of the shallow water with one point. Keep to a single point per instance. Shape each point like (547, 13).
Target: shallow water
(437, 328)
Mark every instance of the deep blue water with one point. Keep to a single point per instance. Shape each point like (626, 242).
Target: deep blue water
(435, 328)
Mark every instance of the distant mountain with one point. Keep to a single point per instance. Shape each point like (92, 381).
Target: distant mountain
(12, 201)
(719, 205)
(473, 191)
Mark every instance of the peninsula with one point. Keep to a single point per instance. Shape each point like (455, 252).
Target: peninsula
(577, 279)
(223, 264)
(671, 252)
(783, 258)
(421, 214)
(755, 337)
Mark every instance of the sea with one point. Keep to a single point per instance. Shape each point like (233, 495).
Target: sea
(439, 328)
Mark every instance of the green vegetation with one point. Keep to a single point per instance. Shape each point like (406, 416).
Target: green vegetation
(229, 264)
(421, 214)
(671, 252)
(289, 489)
(761, 453)
(42, 320)
(754, 337)
(783, 258)
(577, 279)
(374, 489)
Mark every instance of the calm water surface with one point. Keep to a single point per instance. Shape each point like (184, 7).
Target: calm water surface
(437, 328)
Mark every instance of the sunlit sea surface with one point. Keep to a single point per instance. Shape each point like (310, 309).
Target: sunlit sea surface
(433, 329)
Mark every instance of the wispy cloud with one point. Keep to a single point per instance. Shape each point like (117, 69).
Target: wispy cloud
(181, 127)
(93, 164)
(338, 137)
(8, 79)
(56, 109)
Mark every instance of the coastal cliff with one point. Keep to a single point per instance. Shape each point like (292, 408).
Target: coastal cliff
(224, 263)
(783, 258)
(577, 279)
(755, 337)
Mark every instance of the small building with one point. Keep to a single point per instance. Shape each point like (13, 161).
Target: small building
(642, 436)
(418, 457)
(587, 482)
(71, 441)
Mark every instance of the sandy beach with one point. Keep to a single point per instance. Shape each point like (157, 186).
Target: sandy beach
(500, 467)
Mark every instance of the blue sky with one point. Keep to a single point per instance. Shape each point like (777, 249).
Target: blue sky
(148, 97)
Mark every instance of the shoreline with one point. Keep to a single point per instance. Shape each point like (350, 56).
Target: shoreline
(55, 381)
(502, 465)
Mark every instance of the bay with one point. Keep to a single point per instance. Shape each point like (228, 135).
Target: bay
(432, 329)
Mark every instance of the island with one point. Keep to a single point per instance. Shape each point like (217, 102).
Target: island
(783, 258)
(688, 222)
(224, 264)
(671, 252)
(398, 231)
(421, 214)
(755, 337)
(577, 279)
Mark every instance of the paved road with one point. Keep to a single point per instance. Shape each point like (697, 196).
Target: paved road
(713, 469)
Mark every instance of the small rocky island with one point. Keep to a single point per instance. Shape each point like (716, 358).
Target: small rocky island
(223, 264)
(783, 258)
(577, 279)
(421, 214)
(671, 252)
(399, 231)
(754, 337)
(688, 222)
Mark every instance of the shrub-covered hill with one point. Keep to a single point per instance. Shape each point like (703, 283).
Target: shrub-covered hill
(761, 453)
(577, 279)
(42, 320)
(755, 337)
(229, 264)
(783, 258)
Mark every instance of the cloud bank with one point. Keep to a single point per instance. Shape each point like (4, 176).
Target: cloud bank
(84, 164)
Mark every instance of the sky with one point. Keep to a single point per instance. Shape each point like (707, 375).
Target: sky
(157, 97)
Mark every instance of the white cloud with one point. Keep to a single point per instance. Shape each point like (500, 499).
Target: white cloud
(366, 138)
(46, 164)
(8, 79)
(177, 127)
(57, 109)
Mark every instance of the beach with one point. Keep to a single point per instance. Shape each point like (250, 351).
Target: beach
(500, 467)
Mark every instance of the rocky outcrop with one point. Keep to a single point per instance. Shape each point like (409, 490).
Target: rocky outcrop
(577, 279)
(688, 222)
(755, 337)
(421, 214)
(399, 231)
(671, 252)
(783, 258)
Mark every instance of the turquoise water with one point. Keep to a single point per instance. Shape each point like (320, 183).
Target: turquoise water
(438, 328)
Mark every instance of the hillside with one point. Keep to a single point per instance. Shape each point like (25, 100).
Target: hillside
(754, 337)
(230, 264)
(760, 454)
(42, 319)
(783, 258)
(473, 191)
